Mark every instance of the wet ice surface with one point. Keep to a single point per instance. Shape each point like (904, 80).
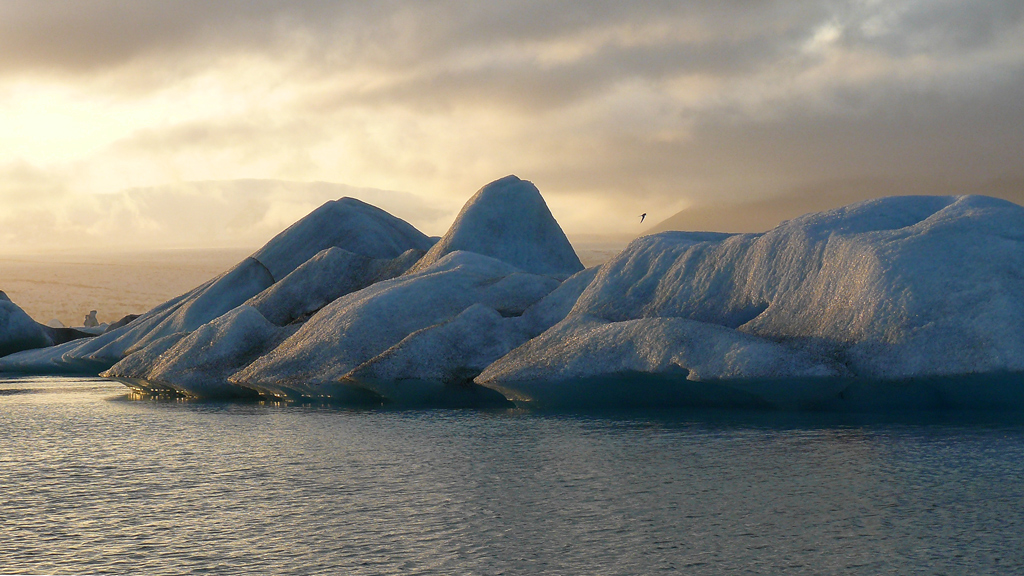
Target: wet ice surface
(92, 481)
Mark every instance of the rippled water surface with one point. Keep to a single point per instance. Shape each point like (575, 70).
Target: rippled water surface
(92, 481)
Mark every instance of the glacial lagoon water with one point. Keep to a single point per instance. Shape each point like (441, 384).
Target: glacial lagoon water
(95, 481)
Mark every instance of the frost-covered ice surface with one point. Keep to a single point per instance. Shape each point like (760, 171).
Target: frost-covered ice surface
(439, 360)
(895, 302)
(348, 224)
(199, 363)
(509, 220)
(895, 287)
(583, 348)
(139, 363)
(18, 331)
(357, 327)
(325, 277)
(551, 309)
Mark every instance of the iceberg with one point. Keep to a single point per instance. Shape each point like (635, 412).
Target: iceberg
(325, 277)
(901, 302)
(509, 220)
(18, 331)
(347, 224)
(893, 288)
(361, 325)
(437, 364)
(626, 356)
(198, 363)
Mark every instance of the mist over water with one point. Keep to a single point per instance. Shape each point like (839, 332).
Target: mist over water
(93, 481)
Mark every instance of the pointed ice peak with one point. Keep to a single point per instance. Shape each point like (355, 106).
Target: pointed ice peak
(18, 331)
(347, 223)
(509, 220)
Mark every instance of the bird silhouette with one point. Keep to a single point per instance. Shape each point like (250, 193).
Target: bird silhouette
(642, 216)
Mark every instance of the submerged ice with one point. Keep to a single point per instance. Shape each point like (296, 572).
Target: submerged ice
(889, 302)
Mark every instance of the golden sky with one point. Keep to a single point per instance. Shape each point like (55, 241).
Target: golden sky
(219, 122)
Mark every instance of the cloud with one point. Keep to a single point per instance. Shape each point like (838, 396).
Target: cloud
(82, 37)
(452, 39)
(660, 103)
(221, 214)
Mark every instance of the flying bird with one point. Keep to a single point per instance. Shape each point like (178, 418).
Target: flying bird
(642, 216)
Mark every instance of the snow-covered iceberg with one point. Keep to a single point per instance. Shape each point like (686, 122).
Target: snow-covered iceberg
(509, 220)
(896, 302)
(619, 359)
(893, 288)
(356, 328)
(328, 275)
(347, 224)
(198, 363)
(18, 331)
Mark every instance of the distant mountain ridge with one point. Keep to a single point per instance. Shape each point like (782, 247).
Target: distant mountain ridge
(764, 214)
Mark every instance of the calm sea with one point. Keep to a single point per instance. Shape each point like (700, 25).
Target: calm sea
(94, 481)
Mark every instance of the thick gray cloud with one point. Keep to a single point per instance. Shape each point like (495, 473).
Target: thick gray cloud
(85, 35)
(946, 27)
(659, 102)
(654, 38)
